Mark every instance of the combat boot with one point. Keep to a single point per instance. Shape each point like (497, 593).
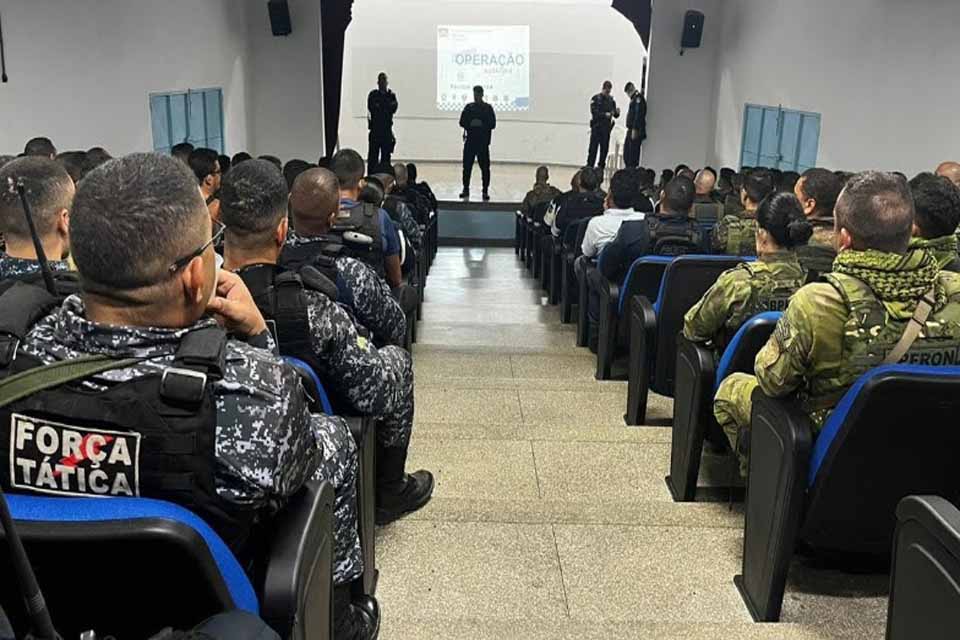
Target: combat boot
(354, 620)
(398, 492)
(486, 195)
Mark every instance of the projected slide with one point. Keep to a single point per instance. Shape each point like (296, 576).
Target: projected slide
(498, 58)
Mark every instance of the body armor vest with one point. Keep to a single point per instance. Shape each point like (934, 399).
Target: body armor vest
(67, 282)
(358, 229)
(769, 291)
(153, 437)
(742, 237)
(672, 236)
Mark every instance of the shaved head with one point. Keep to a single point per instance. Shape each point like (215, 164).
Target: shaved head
(950, 171)
(705, 182)
(401, 172)
(314, 198)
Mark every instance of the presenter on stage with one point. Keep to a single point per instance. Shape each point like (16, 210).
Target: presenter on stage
(636, 126)
(603, 112)
(478, 121)
(381, 105)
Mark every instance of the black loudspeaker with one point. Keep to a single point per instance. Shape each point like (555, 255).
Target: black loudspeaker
(692, 30)
(279, 17)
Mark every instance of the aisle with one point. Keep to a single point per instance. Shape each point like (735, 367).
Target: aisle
(551, 519)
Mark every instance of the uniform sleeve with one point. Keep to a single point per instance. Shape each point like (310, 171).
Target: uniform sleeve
(371, 102)
(391, 240)
(706, 319)
(374, 305)
(493, 119)
(351, 363)
(595, 108)
(464, 121)
(718, 236)
(783, 361)
(394, 104)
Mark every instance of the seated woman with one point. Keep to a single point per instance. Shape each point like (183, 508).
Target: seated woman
(754, 287)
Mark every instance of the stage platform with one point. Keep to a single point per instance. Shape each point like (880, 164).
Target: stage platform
(509, 182)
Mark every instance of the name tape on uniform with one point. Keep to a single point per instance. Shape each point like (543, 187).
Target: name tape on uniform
(62, 459)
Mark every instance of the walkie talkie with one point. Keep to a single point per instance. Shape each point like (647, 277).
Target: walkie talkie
(37, 244)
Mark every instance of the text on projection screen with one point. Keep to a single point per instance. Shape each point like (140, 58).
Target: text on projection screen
(494, 57)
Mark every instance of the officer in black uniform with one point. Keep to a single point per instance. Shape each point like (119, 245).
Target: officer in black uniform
(177, 408)
(478, 121)
(381, 107)
(603, 112)
(636, 126)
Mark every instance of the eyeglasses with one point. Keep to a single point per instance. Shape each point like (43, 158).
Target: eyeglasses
(219, 228)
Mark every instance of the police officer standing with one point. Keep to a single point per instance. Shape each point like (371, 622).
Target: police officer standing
(603, 112)
(636, 126)
(478, 122)
(381, 106)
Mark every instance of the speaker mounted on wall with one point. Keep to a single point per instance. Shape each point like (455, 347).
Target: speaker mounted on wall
(279, 17)
(692, 31)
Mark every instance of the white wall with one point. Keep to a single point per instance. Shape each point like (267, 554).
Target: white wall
(81, 71)
(575, 45)
(286, 92)
(681, 112)
(883, 74)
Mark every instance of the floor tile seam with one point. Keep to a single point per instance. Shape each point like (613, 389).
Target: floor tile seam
(553, 522)
(536, 472)
(563, 580)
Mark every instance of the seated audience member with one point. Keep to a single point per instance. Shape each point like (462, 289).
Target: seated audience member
(937, 204)
(818, 190)
(182, 151)
(586, 202)
(550, 215)
(313, 327)
(397, 206)
(274, 160)
(325, 162)
(834, 331)
(619, 208)
(421, 186)
(240, 156)
(96, 156)
(73, 162)
(666, 176)
(950, 171)
(4, 159)
(225, 163)
(788, 181)
(205, 164)
(142, 239)
(314, 204)
(754, 287)
(669, 232)
(41, 147)
(50, 191)
(294, 168)
(735, 235)
(705, 182)
(419, 204)
(542, 192)
(732, 205)
(384, 254)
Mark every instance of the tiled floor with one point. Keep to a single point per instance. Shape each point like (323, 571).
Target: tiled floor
(551, 519)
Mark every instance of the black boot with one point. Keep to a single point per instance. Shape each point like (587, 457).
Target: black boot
(486, 195)
(399, 493)
(465, 194)
(354, 620)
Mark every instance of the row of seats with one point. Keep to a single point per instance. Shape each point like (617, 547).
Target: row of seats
(890, 437)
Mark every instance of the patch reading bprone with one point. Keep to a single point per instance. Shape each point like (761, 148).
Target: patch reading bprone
(63, 459)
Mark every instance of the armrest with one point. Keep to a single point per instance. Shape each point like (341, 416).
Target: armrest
(359, 427)
(298, 584)
(936, 515)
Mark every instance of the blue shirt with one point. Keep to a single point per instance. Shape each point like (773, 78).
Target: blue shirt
(389, 237)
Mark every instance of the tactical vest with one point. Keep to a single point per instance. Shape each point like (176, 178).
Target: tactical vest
(742, 237)
(817, 259)
(152, 437)
(673, 237)
(358, 230)
(767, 293)
(66, 282)
(870, 334)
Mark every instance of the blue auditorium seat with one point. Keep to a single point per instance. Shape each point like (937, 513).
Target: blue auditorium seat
(925, 575)
(893, 434)
(130, 567)
(656, 325)
(698, 377)
(308, 374)
(572, 241)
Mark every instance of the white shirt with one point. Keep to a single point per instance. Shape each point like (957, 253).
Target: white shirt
(603, 229)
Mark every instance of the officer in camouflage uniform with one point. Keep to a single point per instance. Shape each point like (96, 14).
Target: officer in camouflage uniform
(373, 381)
(937, 202)
(360, 288)
(818, 190)
(131, 219)
(833, 332)
(542, 192)
(754, 287)
(736, 235)
(399, 210)
(50, 190)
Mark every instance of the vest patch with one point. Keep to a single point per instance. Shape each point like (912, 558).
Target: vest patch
(933, 356)
(62, 459)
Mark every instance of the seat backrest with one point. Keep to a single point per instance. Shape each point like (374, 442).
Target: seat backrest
(126, 567)
(742, 350)
(707, 213)
(925, 580)
(894, 433)
(643, 279)
(311, 383)
(685, 281)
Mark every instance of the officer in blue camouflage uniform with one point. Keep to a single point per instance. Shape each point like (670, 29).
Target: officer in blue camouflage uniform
(50, 191)
(377, 382)
(142, 240)
(359, 287)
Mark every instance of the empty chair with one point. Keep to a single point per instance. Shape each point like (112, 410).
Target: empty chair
(159, 565)
(892, 434)
(698, 375)
(925, 576)
(655, 326)
(569, 287)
